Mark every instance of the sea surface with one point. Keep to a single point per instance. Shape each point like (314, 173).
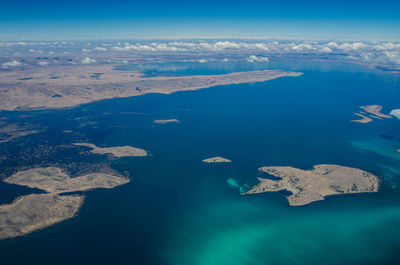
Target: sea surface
(178, 210)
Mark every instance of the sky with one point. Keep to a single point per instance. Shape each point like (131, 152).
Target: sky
(163, 19)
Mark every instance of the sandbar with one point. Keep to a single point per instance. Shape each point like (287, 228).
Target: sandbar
(375, 110)
(308, 186)
(166, 121)
(364, 119)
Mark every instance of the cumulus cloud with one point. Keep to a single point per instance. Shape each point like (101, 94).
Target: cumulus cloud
(88, 60)
(395, 113)
(13, 63)
(101, 49)
(326, 49)
(254, 58)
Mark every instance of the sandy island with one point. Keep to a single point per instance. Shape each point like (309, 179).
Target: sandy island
(76, 84)
(217, 159)
(166, 121)
(118, 151)
(313, 185)
(37, 211)
(364, 119)
(374, 112)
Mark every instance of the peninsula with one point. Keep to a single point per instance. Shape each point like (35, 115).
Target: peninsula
(118, 151)
(69, 86)
(313, 185)
(37, 211)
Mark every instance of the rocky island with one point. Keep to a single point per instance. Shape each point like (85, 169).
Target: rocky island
(308, 186)
(216, 159)
(118, 151)
(37, 211)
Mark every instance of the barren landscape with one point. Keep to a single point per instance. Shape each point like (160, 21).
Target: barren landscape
(68, 86)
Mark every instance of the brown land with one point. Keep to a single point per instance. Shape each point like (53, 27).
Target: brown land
(37, 211)
(166, 121)
(68, 86)
(374, 112)
(313, 185)
(217, 159)
(54, 180)
(118, 151)
(364, 119)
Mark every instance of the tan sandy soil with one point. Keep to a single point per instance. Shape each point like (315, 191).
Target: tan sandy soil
(313, 185)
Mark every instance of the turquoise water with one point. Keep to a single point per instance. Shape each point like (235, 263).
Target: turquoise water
(180, 211)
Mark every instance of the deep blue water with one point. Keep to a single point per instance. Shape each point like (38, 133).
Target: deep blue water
(178, 210)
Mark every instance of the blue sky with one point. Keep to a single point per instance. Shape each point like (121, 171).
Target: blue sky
(73, 19)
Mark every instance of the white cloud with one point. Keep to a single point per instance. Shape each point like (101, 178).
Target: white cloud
(13, 63)
(101, 49)
(42, 63)
(202, 61)
(254, 58)
(88, 60)
(395, 113)
(326, 49)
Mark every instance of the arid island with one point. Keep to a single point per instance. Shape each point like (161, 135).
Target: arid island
(369, 113)
(37, 211)
(117, 151)
(308, 186)
(68, 86)
(216, 159)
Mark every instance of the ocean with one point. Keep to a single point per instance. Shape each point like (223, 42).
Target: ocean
(178, 210)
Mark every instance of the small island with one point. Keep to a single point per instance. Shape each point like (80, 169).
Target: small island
(166, 121)
(54, 180)
(308, 186)
(37, 211)
(374, 112)
(364, 119)
(216, 159)
(118, 151)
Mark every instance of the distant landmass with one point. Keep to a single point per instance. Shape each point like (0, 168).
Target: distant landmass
(78, 84)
